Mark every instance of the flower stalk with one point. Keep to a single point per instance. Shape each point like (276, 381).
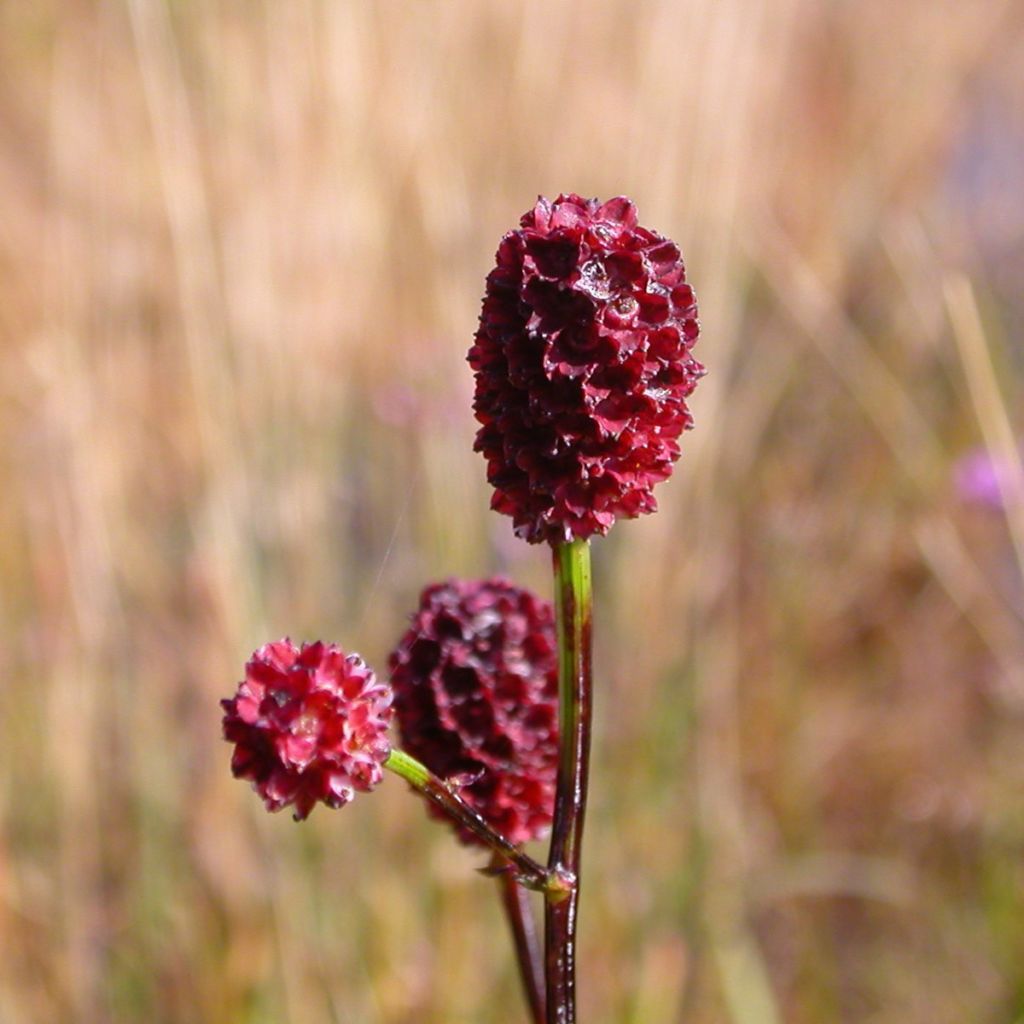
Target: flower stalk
(515, 901)
(445, 796)
(583, 367)
(573, 605)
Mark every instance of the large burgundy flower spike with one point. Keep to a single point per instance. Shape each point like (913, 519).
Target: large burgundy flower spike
(476, 692)
(309, 724)
(583, 367)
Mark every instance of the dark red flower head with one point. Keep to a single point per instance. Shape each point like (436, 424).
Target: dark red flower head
(583, 367)
(476, 692)
(308, 724)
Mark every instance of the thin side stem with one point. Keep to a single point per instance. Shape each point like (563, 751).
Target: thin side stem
(516, 902)
(573, 605)
(445, 796)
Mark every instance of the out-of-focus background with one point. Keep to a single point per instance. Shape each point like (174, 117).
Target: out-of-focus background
(242, 248)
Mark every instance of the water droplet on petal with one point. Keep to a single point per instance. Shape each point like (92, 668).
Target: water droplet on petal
(594, 279)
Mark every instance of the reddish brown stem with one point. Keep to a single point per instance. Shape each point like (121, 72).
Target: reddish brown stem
(516, 901)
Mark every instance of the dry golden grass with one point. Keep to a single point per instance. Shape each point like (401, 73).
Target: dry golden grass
(241, 252)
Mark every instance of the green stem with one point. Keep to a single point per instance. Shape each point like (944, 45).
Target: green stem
(445, 796)
(573, 604)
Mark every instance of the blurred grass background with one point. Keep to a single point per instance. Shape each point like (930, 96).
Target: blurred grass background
(242, 247)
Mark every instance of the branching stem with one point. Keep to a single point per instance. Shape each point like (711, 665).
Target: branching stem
(445, 795)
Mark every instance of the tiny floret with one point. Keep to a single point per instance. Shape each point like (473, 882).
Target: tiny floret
(309, 724)
(476, 694)
(583, 367)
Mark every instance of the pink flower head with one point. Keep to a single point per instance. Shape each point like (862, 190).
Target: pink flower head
(583, 367)
(476, 693)
(308, 724)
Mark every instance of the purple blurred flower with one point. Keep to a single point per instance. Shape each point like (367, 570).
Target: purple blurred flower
(984, 479)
